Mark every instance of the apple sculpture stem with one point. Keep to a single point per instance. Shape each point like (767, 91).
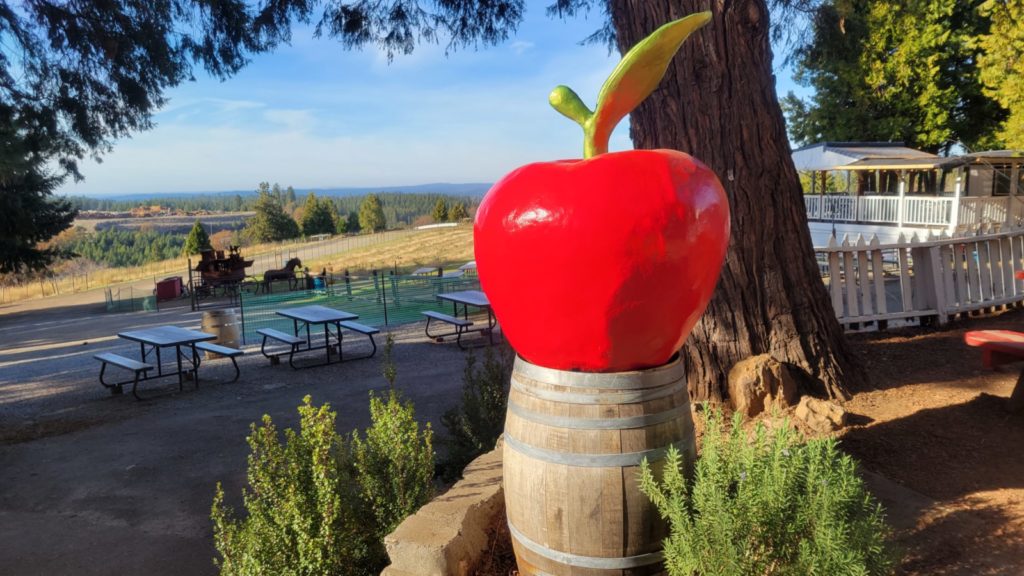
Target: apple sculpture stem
(637, 75)
(604, 264)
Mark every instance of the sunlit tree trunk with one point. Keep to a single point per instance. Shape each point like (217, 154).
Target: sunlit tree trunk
(718, 103)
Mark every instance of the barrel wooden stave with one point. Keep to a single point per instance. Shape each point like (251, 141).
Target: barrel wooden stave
(224, 324)
(585, 510)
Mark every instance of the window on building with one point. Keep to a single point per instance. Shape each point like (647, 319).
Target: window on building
(1001, 179)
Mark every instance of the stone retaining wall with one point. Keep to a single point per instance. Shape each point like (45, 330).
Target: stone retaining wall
(448, 536)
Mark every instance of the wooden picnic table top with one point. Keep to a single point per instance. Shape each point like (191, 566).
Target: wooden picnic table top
(316, 314)
(471, 297)
(166, 336)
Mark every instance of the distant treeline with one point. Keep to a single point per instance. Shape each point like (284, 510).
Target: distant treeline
(399, 208)
(117, 248)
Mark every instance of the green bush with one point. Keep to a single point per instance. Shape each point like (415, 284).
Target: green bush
(320, 504)
(767, 504)
(476, 423)
(395, 462)
(304, 509)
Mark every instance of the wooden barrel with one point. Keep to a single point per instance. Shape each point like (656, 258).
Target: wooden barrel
(572, 451)
(223, 324)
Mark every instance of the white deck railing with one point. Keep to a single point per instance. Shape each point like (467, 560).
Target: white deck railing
(922, 278)
(934, 211)
(878, 209)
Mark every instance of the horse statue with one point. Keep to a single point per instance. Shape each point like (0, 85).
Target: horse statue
(286, 273)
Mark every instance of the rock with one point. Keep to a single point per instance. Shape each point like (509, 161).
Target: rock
(820, 415)
(759, 382)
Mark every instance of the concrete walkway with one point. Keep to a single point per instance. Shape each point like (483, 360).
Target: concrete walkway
(96, 484)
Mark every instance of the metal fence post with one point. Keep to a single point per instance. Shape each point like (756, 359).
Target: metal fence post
(348, 284)
(384, 291)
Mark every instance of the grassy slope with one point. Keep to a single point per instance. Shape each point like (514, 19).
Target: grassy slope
(446, 247)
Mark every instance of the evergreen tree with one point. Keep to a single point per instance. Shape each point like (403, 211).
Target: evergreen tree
(1002, 65)
(458, 212)
(317, 216)
(440, 213)
(371, 214)
(197, 240)
(892, 70)
(270, 223)
(28, 214)
(352, 225)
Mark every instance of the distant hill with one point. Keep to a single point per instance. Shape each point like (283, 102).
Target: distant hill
(472, 189)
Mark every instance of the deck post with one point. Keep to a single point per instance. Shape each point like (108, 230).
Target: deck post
(1014, 189)
(903, 189)
(954, 218)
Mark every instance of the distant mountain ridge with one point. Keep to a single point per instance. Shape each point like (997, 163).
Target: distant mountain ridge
(470, 189)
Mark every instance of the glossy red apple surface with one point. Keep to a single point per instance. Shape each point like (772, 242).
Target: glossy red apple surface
(603, 264)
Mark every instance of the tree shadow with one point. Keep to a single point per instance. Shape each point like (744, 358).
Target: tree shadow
(967, 540)
(949, 452)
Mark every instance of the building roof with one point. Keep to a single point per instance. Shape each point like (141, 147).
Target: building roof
(839, 155)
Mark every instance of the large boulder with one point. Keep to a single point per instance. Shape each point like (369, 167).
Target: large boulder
(759, 382)
(820, 415)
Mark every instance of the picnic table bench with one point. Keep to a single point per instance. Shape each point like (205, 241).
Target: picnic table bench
(464, 298)
(308, 316)
(122, 362)
(1000, 347)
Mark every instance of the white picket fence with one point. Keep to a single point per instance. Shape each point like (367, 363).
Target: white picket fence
(936, 277)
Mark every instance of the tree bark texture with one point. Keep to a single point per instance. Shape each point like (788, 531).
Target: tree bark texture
(718, 103)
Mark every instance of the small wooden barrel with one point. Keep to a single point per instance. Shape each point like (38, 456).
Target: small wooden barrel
(224, 324)
(572, 451)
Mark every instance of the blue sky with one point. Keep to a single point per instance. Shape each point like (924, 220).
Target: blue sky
(312, 115)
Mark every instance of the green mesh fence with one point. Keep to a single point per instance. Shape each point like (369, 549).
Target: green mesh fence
(382, 300)
(128, 299)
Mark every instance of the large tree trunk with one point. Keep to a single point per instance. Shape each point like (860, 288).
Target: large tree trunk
(718, 103)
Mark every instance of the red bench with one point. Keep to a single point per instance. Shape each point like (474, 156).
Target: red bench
(1000, 347)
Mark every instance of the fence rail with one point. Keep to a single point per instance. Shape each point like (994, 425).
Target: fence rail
(917, 279)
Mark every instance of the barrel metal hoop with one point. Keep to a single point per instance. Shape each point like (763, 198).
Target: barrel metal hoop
(625, 397)
(598, 423)
(633, 380)
(593, 562)
(585, 460)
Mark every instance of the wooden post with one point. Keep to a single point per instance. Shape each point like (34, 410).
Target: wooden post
(900, 214)
(1012, 202)
(954, 218)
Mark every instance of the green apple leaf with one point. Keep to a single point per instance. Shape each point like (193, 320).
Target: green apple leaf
(633, 80)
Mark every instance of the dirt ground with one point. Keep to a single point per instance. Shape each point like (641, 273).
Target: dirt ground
(937, 448)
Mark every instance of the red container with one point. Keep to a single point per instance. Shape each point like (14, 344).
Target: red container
(168, 288)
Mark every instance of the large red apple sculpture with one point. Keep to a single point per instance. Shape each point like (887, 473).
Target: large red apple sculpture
(605, 264)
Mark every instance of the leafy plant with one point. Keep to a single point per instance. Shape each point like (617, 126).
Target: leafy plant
(305, 512)
(768, 504)
(320, 503)
(475, 424)
(394, 462)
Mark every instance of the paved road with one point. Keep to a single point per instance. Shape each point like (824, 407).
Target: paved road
(96, 484)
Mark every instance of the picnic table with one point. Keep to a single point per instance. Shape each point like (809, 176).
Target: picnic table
(466, 299)
(309, 316)
(1001, 347)
(153, 340)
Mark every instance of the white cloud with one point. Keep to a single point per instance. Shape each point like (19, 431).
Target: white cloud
(521, 46)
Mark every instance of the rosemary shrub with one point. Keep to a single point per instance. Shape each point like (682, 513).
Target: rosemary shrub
(767, 504)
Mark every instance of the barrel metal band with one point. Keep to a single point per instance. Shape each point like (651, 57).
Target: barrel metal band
(598, 423)
(578, 561)
(635, 380)
(583, 460)
(626, 397)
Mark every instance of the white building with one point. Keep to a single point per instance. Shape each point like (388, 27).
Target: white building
(885, 189)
